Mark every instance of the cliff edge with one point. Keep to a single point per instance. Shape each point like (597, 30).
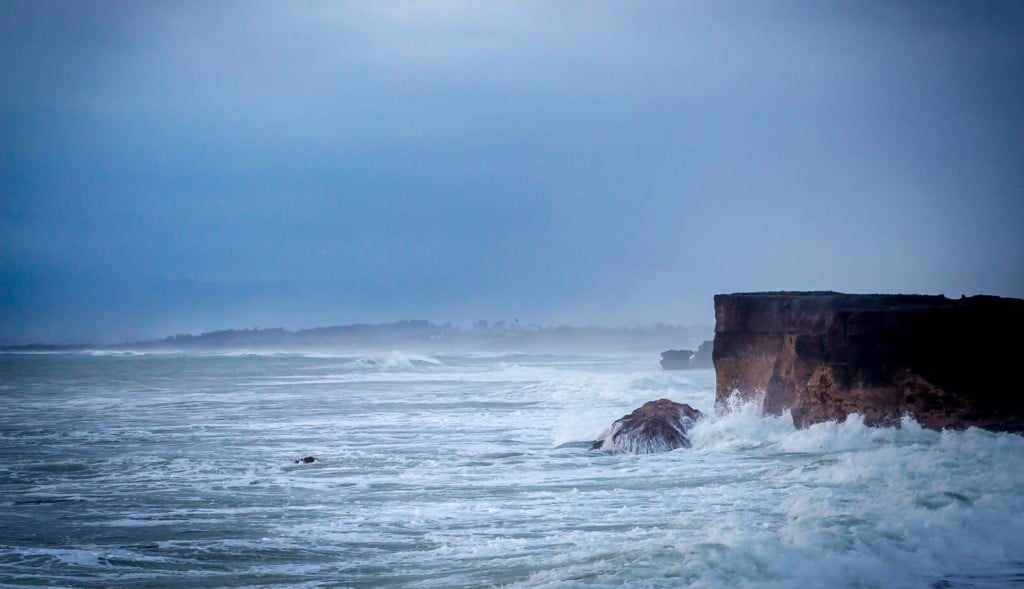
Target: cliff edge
(824, 355)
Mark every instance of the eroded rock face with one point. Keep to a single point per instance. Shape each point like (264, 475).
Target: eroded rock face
(657, 426)
(824, 355)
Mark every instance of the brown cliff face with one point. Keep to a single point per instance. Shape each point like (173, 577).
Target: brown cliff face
(824, 355)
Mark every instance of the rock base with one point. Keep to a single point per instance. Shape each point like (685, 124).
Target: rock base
(825, 355)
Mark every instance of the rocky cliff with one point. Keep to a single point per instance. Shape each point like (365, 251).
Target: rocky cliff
(824, 355)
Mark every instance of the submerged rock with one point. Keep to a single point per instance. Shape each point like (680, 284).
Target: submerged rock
(657, 426)
(824, 355)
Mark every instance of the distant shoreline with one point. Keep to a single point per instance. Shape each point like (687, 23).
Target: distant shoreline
(411, 334)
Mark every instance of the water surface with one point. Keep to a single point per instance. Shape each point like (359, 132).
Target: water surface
(177, 470)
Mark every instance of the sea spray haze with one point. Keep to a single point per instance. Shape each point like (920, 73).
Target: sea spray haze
(445, 471)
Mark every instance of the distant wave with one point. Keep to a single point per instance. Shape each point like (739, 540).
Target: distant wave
(374, 360)
(114, 353)
(396, 359)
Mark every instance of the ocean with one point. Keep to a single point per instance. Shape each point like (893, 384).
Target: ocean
(470, 470)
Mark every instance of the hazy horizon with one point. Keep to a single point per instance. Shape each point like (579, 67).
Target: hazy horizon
(465, 332)
(192, 166)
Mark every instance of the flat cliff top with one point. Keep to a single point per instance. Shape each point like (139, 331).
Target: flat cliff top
(821, 311)
(868, 301)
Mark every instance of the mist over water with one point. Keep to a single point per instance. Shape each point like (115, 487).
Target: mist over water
(460, 470)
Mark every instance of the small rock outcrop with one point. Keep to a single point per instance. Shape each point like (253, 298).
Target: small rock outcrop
(688, 359)
(657, 426)
(676, 359)
(702, 358)
(825, 355)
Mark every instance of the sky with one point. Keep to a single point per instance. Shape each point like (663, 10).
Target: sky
(178, 167)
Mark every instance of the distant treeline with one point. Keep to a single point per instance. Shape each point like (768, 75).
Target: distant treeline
(420, 334)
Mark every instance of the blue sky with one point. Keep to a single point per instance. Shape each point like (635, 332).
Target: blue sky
(170, 167)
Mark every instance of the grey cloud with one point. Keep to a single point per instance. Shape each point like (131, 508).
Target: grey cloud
(607, 162)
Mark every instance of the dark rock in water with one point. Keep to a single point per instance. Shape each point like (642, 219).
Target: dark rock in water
(702, 358)
(585, 445)
(825, 355)
(306, 460)
(688, 359)
(676, 359)
(657, 426)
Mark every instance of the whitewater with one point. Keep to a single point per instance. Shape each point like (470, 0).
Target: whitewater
(470, 470)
